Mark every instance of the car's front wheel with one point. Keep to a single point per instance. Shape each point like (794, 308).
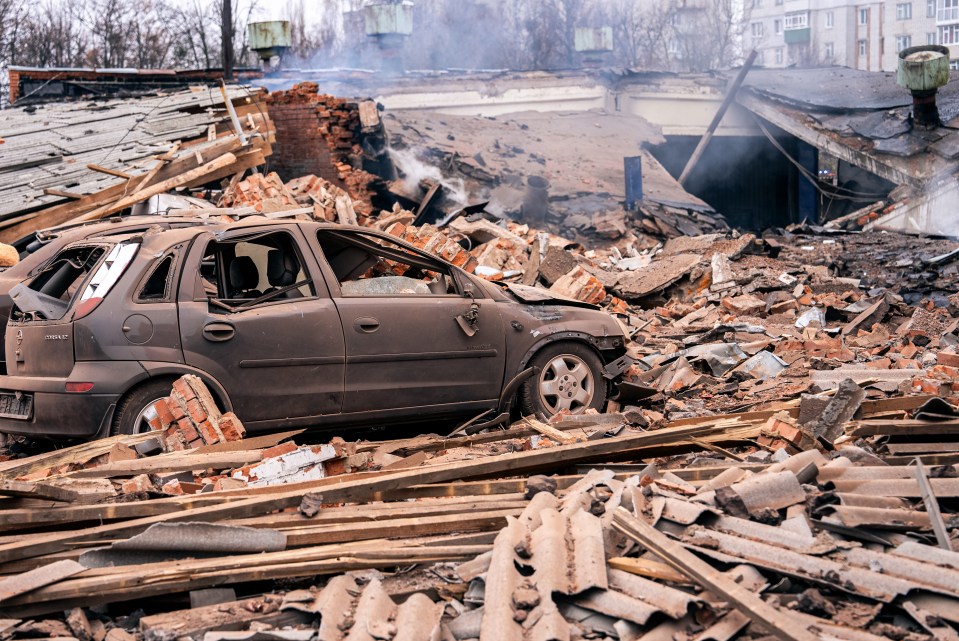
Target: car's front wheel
(569, 377)
(136, 408)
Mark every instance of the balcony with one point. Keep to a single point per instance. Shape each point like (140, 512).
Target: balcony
(949, 14)
(796, 36)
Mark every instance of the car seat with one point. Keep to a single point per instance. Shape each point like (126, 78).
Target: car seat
(281, 271)
(244, 277)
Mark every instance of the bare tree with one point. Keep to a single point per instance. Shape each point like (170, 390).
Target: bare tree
(641, 32)
(709, 35)
(51, 34)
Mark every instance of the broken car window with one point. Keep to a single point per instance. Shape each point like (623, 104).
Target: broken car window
(266, 266)
(49, 294)
(365, 265)
(157, 285)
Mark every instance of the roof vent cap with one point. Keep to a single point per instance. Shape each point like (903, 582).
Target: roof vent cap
(924, 68)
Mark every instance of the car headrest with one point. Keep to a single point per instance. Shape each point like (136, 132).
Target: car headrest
(243, 273)
(281, 268)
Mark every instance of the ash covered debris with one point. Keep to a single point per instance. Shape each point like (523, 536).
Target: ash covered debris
(780, 462)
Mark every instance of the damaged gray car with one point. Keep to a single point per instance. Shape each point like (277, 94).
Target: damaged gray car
(290, 324)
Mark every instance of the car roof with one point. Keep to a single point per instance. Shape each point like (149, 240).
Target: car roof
(162, 238)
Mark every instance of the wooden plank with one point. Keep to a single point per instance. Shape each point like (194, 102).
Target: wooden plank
(898, 403)
(109, 172)
(28, 490)
(549, 431)
(113, 584)
(173, 462)
(76, 454)
(226, 160)
(351, 490)
(487, 520)
(193, 623)
(649, 569)
(254, 443)
(49, 191)
(777, 622)
(60, 214)
(903, 427)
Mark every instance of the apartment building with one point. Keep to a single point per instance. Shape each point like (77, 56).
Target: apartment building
(861, 35)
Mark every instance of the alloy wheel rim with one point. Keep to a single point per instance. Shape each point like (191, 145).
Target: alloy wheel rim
(142, 422)
(566, 383)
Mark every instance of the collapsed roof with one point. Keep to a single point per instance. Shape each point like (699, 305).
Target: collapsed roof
(865, 119)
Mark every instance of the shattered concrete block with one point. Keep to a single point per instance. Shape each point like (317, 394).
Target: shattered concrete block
(745, 305)
(555, 264)
(579, 284)
(721, 268)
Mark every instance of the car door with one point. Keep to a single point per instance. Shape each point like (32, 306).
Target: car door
(266, 329)
(413, 338)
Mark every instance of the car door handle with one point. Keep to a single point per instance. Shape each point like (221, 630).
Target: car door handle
(366, 325)
(218, 332)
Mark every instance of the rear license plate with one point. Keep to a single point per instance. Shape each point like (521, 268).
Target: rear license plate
(13, 407)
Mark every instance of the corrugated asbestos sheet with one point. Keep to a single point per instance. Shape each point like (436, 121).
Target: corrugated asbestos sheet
(549, 565)
(48, 147)
(352, 612)
(549, 575)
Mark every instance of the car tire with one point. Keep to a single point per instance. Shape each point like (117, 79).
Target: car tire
(569, 376)
(134, 408)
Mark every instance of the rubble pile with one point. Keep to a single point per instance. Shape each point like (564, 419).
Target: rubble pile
(701, 537)
(780, 460)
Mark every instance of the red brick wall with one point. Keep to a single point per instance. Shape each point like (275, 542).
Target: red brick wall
(300, 148)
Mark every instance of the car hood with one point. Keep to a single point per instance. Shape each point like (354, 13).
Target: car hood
(540, 296)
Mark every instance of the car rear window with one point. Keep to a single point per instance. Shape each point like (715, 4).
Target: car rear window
(94, 268)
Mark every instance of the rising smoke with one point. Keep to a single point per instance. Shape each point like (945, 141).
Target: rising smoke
(413, 171)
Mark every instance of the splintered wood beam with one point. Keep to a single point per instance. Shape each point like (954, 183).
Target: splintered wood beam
(333, 490)
(225, 160)
(109, 172)
(779, 623)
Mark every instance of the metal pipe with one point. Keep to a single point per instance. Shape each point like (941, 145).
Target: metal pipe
(536, 200)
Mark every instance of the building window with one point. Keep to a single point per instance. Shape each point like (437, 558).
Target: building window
(830, 19)
(756, 29)
(797, 20)
(864, 16)
(931, 38)
(779, 55)
(863, 47)
(779, 2)
(778, 26)
(904, 11)
(949, 35)
(948, 11)
(757, 4)
(903, 42)
(827, 50)
(930, 8)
